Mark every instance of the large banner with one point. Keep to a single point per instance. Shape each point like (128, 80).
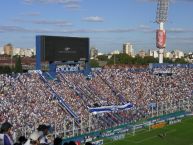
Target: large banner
(110, 108)
(161, 38)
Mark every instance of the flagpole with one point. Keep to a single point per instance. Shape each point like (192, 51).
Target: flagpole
(157, 109)
(64, 128)
(81, 126)
(162, 108)
(89, 123)
(73, 127)
(151, 110)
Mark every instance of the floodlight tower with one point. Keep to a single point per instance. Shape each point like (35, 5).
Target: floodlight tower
(161, 18)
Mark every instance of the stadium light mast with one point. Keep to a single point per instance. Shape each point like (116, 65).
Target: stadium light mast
(161, 18)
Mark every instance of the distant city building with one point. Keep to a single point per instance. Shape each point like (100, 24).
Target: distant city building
(29, 52)
(180, 54)
(189, 57)
(16, 51)
(8, 49)
(190, 54)
(128, 49)
(22, 52)
(93, 53)
(167, 55)
(177, 54)
(1, 50)
(150, 53)
(100, 53)
(154, 53)
(115, 52)
(33, 50)
(171, 55)
(142, 53)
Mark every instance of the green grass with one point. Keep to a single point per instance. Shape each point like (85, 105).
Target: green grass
(177, 134)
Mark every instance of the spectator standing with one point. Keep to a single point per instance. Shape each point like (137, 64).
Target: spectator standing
(5, 134)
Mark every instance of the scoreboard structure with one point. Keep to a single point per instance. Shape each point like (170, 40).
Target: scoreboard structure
(61, 49)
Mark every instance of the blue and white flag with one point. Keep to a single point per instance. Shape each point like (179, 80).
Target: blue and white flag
(110, 108)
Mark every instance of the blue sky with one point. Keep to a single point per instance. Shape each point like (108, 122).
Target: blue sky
(108, 23)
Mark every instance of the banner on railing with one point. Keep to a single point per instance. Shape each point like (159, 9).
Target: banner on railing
(110, 108)
(35, 71)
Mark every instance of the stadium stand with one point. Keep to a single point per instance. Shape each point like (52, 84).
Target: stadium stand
(30, 99)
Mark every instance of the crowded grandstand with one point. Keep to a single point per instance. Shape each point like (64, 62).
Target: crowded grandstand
(31, 99)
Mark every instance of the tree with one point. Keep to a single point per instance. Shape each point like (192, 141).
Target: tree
(125, 59)
(138, 60)
(5, 70)
(18, 65)
(102, 58)
(180, 61)
(120, 59)
(167, 60)
(150, 59)
(33, 55)
(94, 63)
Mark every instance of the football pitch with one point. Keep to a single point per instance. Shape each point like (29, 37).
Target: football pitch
(176, 134)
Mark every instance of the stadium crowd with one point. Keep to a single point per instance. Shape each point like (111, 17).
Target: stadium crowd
(27, 100)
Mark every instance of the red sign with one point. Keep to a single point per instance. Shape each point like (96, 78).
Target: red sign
(161, 38)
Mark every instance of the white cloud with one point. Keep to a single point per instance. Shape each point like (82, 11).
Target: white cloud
(144, 26)
(181, 40)
(21, 29)
(32, 14)
(182, 0)
(93, 19)
(9, 28)
(114, 30)
(45, 22)
(173, 1)
(110, 30)
(71, 4)
(179, 30)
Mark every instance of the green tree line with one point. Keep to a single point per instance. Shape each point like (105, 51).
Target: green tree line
(126, 59)
(12, 69)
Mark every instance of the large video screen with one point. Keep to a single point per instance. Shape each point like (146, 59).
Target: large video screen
(55, 48)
